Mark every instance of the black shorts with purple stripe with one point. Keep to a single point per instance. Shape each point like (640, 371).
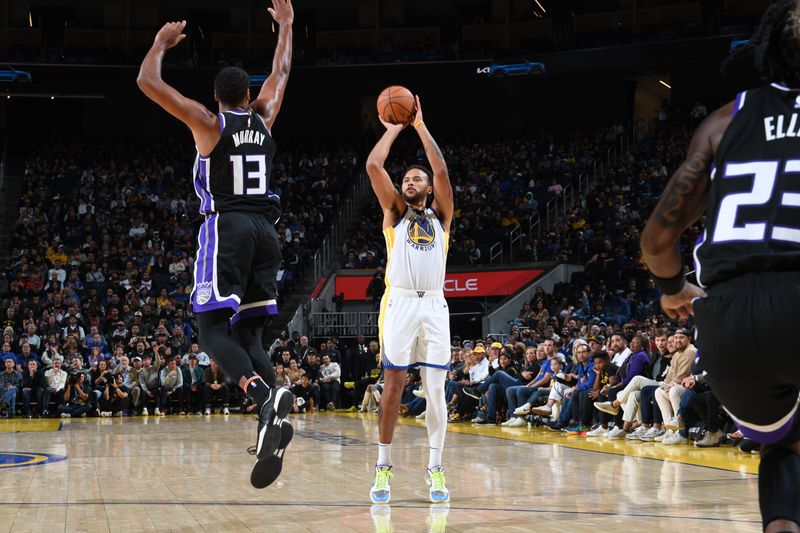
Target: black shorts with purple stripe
(238, 257)
(744, 335)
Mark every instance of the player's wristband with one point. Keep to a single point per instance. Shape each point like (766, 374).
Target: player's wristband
(417, 124)
(670, 286)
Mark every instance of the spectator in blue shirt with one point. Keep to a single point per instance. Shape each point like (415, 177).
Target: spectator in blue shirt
(27, 355)
(6, 353)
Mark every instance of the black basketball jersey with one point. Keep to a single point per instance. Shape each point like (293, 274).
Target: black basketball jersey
(753, 209)
(235, 176)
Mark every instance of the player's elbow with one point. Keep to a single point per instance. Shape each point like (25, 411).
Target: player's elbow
(145, 83)
(373, 165)
(654, 242)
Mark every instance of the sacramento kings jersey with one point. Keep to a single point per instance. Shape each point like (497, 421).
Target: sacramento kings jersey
(235, 176)
(417, 252)
(753, 209)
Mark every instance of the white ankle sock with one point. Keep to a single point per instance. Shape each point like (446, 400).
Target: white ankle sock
(435, 458)
(384, 454)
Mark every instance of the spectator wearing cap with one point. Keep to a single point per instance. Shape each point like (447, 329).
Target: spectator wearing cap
(669, 395)
(494, 386)
(134, 389)
(10, 381)
(476, 371)
(203, 360)
(193, 385)
(215, 389)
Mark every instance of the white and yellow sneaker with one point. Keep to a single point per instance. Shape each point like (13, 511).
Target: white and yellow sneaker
(381, 492)
(436, 483)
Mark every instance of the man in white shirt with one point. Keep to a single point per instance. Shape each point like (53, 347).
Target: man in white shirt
(480, 371)
(329, 382)
(621, 350)
(56, 383)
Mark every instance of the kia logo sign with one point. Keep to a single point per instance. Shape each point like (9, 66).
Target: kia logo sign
(453, 285)
(456, 284)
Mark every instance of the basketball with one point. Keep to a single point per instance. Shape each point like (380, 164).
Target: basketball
(396, 105)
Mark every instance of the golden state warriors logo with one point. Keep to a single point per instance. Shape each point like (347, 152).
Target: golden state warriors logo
(421, 234)
(19, 459)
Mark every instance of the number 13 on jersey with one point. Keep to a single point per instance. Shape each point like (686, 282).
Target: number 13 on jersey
(238, 162)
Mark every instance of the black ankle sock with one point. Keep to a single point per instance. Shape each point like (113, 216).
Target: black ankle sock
(258, 390)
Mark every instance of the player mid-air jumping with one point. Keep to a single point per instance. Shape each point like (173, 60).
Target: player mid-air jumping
(238, 254)
(743, 171)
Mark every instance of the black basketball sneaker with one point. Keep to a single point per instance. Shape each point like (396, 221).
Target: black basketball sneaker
(266, 471)
(273, 410)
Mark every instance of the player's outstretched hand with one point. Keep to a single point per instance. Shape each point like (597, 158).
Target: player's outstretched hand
(394, 128)
(282, 11)
(417, 112)
(680, 305)
(171, 34)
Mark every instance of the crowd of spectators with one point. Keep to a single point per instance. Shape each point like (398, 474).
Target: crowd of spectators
(102, 258)
(499, 182)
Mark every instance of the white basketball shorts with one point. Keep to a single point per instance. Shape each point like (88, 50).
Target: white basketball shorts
(414, 329)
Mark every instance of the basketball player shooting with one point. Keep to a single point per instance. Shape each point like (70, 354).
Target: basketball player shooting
(742, 170)
(238, 254)
(414, 318)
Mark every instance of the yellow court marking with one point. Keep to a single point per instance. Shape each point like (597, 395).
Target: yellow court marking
(17, 425)
(723, 458)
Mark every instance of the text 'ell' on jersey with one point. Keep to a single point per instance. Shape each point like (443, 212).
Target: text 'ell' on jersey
(235, 175)
(753, 215)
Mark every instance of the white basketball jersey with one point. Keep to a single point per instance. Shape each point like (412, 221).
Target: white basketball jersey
(417, 252)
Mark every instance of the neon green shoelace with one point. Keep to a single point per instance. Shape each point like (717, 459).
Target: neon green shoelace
(382, 477)
(437, 480)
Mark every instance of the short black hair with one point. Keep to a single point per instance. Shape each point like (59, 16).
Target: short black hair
(424, 169)
(231, 85)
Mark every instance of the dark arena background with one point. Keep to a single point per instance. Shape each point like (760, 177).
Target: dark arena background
(561, 122)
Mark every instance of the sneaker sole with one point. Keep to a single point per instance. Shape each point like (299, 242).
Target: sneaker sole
(269, 438)
(473, 396)
(266, 471)
(374, 500)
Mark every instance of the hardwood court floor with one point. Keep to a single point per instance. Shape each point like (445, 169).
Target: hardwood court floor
(192, 474)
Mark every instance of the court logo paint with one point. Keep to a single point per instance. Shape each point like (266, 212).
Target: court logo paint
(19, 459)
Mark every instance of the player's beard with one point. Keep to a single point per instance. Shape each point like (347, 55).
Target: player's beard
(415, 199)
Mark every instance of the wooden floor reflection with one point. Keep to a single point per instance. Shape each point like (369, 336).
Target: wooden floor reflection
(191, 474)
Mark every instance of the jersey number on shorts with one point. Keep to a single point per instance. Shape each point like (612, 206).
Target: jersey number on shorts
(238, 162)
(764, 176)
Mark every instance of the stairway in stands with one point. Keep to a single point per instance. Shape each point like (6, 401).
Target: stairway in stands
(324, 259)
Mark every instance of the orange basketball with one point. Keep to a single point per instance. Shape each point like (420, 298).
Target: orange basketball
(396, 105)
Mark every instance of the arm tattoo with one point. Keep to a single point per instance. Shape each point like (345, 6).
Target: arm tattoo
(675, 207)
